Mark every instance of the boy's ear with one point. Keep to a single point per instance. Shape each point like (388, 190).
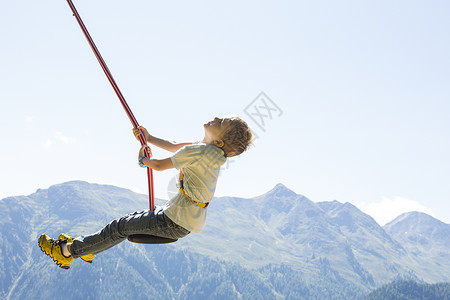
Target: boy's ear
(219, 143)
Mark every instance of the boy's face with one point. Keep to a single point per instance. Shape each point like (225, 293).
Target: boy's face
(214, 130)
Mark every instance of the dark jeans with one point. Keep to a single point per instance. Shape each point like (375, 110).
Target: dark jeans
(142, 222)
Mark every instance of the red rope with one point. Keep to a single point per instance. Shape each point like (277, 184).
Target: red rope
(127, 109)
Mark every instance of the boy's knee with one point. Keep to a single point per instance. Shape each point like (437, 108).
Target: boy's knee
(116, 229)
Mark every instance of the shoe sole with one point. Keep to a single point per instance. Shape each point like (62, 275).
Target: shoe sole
(50, 255)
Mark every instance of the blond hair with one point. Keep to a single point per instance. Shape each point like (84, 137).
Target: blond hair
(237, 137)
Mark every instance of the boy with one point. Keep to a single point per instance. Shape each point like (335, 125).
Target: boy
(199, 165)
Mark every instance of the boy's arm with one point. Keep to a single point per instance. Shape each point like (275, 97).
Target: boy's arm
(158, 164)
(155, 164)
(170, 146)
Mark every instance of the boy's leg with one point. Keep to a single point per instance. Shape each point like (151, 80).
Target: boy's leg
(143, 222)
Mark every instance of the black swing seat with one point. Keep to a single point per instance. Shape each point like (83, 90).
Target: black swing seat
(149, 239)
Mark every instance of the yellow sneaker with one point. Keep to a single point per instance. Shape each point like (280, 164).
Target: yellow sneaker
(87, 258)
(52, 248)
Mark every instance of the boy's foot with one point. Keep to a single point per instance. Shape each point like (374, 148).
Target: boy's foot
(87, 258)
(52, 248)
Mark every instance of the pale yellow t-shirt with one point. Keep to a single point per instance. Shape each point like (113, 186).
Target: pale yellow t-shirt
(200, 164)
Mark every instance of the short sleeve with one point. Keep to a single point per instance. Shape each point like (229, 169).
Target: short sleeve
(187, 156)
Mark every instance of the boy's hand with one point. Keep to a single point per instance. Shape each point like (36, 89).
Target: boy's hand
(137, 133)
(142, 151)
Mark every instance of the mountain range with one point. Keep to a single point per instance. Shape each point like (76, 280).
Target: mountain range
(279, 245)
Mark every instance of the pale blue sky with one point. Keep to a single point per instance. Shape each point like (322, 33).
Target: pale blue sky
(363, 87)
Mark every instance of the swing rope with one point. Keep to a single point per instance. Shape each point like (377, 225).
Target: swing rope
(145, 239)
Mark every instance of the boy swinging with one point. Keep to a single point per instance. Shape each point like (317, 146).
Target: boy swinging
(199, 164)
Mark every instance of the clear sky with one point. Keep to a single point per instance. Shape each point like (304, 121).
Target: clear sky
(358, 95)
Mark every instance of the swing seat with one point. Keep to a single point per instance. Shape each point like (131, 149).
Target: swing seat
(149, 239)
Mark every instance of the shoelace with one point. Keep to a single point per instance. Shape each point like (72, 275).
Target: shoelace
(55, 243)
